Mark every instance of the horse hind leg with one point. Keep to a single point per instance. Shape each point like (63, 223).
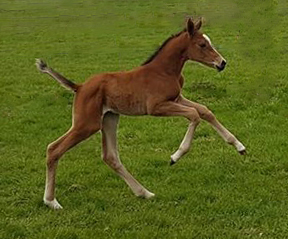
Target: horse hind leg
(111, 158)
(55, 150)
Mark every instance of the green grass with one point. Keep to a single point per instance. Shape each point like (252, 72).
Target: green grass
(213, 192)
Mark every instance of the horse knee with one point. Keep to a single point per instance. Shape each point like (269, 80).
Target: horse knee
(207, 114)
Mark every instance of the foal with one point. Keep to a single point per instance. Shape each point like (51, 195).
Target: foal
(151, 89)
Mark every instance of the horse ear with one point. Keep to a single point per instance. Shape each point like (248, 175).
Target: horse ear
(198, 24)
(190, 27)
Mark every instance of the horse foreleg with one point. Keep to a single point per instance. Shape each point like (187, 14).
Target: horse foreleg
(171, 108)
(207, 115)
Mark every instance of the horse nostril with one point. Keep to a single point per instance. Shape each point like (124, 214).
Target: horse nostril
(222, 66)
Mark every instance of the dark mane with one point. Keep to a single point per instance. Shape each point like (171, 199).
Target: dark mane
(151, 58)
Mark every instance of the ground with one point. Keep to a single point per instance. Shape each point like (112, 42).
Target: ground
(212, 192)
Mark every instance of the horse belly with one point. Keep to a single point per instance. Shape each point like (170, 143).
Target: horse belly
(127, 105)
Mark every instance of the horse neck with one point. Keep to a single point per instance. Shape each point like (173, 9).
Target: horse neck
(172, 57)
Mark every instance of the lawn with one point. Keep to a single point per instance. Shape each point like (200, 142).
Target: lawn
(212, 192)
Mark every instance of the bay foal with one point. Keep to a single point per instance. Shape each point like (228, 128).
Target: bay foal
(151, 89)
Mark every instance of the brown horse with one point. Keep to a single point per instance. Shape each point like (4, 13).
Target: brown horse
(151, 89)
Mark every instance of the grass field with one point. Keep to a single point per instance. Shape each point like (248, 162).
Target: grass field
(212, 192)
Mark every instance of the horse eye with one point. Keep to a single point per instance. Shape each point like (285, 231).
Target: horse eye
(202, 45)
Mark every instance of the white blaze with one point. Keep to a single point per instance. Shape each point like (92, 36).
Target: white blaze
(209, 41)
(207, 38)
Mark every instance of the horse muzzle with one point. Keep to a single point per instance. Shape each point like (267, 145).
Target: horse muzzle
(221, 67)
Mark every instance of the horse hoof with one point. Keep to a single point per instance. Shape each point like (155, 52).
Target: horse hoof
(172, 162)
(54, 204)
(243, 152)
